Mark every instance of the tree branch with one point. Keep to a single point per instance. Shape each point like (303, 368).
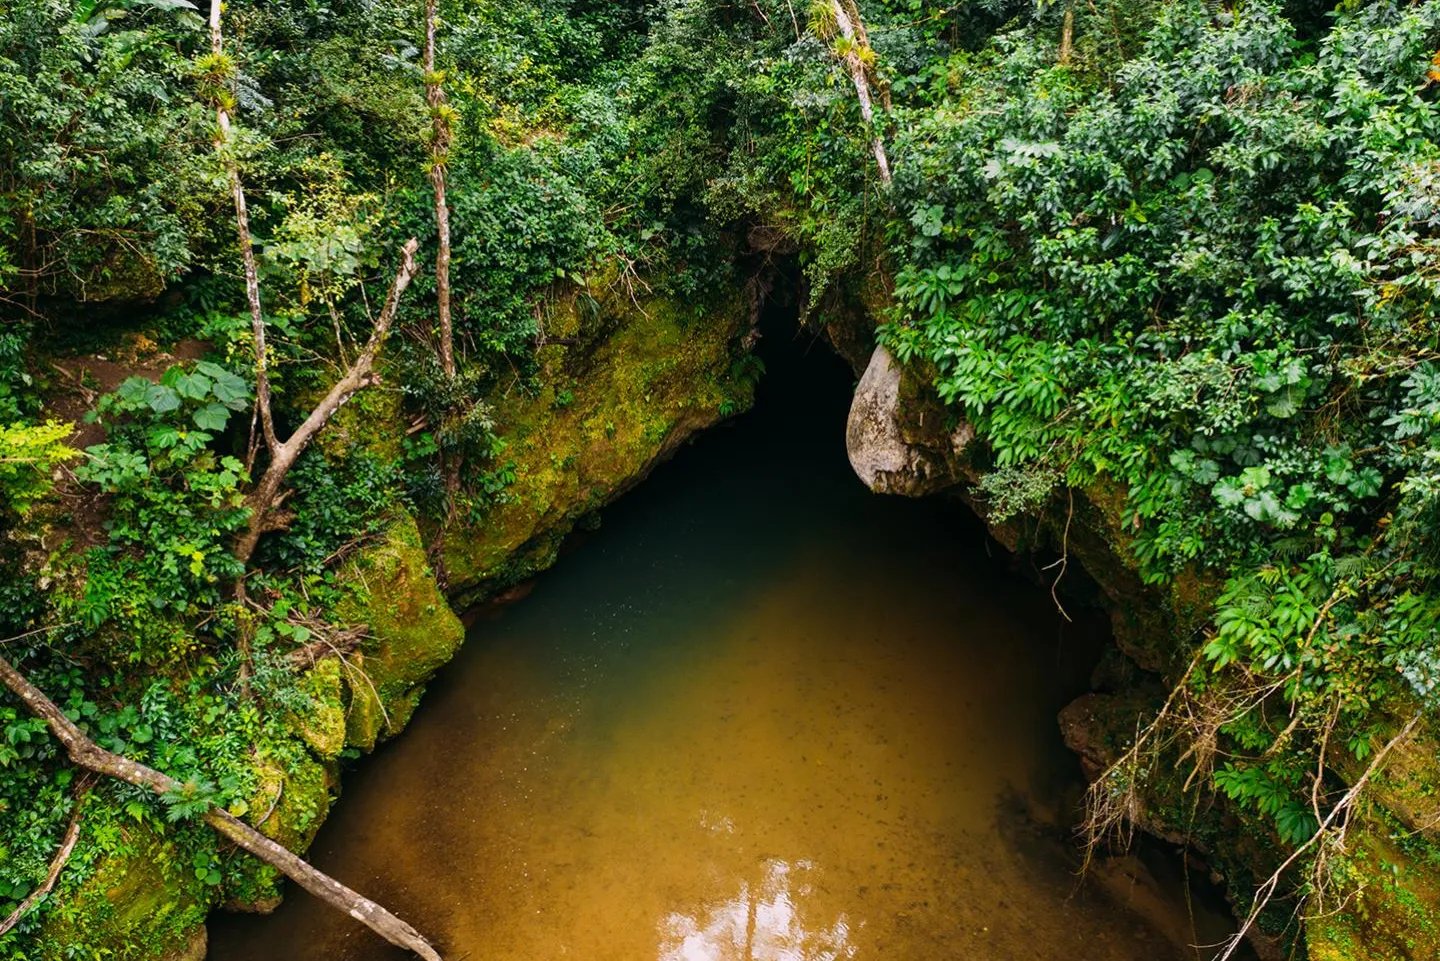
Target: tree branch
(92, 757)
(857, 42)
(441, 135)
(359, 375)
(439, 154)
(1266, 891)
(247, 247)
(67, 847)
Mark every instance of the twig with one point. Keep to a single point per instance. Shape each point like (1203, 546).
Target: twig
(1064, 562)
(67, 847)
(79, 381)
(38, 630)
(274, 802)
(1266, 891)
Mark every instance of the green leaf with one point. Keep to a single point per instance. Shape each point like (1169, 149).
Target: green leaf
(132, 391)
(1229, 492)
(1366, 482)
(161, 399)
(1300, 495)
(212, 417)
(163, 437)
(1285, 403)
(1338, 469)
(1262, 508)
(194, 386)
(1255, 478)
(231, 391)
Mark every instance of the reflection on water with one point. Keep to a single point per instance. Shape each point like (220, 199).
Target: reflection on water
(762, 714)
(764, 924)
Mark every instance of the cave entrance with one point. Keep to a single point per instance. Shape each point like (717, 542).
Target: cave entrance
(760, 714)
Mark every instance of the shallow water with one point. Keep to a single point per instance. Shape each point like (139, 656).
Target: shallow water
(761, 715)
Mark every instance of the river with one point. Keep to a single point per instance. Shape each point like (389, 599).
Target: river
(761, 714)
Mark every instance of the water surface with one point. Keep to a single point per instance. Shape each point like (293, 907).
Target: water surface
(760, 715)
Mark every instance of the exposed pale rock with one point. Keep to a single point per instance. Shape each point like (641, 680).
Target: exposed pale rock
(891, 446)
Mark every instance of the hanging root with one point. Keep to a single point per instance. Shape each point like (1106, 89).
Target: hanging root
(1328, 839)
(1112, 802)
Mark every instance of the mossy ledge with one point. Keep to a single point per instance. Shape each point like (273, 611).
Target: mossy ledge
(634, 380)
(646, 374)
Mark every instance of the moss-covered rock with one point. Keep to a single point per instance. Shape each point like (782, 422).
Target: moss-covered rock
(412, 633)
(612, 406)
(322, 728)
(291, 800)
(1393, 907)
(141, 902)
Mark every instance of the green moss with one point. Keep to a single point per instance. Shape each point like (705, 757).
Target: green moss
(291, 801)
(289, 805)
(1394, 914)
(412, 632)
(323, 728)
(609, 411)
(1409, 784)
(372, 420)
(141, 901)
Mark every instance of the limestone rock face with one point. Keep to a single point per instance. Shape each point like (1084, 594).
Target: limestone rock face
(899, 444)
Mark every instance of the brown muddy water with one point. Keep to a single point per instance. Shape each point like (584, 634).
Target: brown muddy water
(760, 715)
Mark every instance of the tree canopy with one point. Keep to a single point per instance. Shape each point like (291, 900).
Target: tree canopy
(1175, 255)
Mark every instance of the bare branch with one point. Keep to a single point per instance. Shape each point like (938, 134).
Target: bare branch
(92, 757)
(360, 374)
(247, 247)
(1266, 891)
(67, 847)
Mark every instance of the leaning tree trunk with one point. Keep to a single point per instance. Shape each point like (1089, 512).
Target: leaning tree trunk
(855, 39)
(439, 156)
(360, 374)
(92, 757)
(225, 150)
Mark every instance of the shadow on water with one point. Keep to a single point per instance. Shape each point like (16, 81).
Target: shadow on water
(760, 715)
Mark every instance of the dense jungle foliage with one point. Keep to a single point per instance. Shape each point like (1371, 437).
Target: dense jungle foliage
(1179, 256)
